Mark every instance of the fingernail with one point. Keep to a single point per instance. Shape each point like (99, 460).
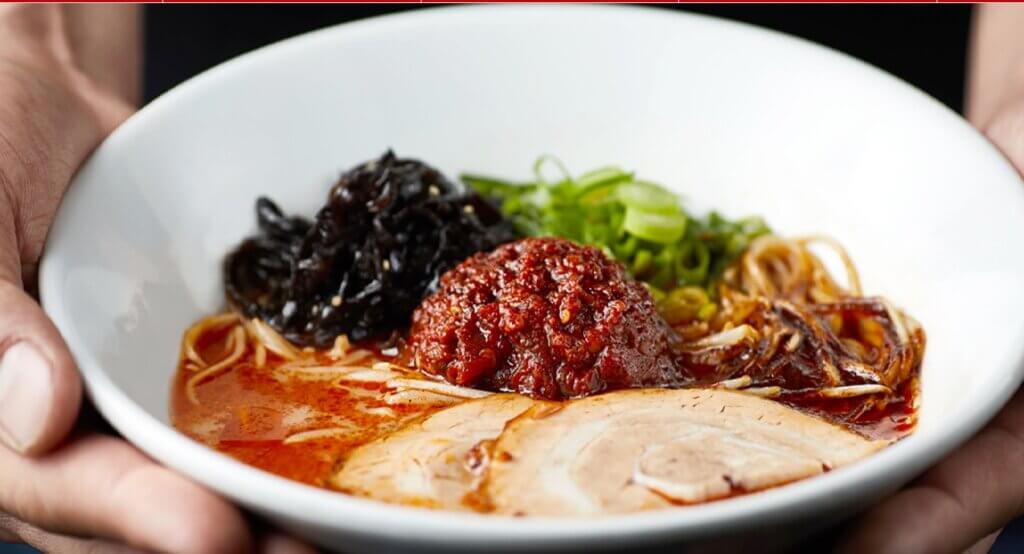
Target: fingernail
(25, 382)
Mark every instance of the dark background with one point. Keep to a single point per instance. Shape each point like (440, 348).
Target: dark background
(925, 45)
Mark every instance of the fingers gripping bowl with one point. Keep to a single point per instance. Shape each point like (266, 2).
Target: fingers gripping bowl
(892, 175)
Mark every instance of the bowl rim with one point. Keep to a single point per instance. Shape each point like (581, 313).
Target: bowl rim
(269, 493)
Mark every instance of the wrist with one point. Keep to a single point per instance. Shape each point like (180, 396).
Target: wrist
(32, 37)
(91, 50)
(995, 76)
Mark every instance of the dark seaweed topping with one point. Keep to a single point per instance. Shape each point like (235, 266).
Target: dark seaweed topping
(390, 228)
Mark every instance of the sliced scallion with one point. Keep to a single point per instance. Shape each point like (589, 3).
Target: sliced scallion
(655, 227)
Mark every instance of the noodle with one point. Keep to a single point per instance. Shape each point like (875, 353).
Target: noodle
(729, 336)
(261, 355)
(786, 325)
(369, 375)
(419, 397)
(317, 434)
(215, 323)
(270, 338)
(437, 387)
(852, 276)
(340, 349)
(766, 392)
(773, 266)
(853, 390)
(354, 357)
(318, 372)
(237, 342)
(897, 321)
(735, 384)
(831, 371)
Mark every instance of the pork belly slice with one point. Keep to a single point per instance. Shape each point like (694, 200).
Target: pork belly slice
(643, 449)
(427, 463)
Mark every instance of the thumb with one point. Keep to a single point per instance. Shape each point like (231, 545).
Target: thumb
(40, 391)
(1006, 130)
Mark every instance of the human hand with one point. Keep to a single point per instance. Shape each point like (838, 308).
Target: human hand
(62, 490)
(962, 503)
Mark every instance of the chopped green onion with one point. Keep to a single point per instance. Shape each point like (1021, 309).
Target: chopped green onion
(707, 311)
(626, 249)
(695, 274)
(655, 227)
(493, 187)
(538, 170)
(656, 293)
(639, 223)
(601, 174)
(641, 262)
(648, 197)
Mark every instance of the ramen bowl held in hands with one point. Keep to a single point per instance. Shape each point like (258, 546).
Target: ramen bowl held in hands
(726, 115)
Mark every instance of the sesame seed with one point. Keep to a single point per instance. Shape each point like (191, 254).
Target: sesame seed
(468, 208)
(336, 301)
(434, 191)
(386, 265)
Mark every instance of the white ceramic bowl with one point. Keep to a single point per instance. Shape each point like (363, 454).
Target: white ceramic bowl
(730, 116)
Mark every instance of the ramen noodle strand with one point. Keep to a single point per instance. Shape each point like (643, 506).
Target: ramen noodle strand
(270, 338)
(237, 342)
(851, 391)
(765, 392)
(354, 357)
(261, 355)
(436, 386)
(193, 334)
(317, 434)
(852, 276)
(340, 349)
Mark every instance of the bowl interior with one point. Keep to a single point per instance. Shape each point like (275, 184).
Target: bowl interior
(733, 118)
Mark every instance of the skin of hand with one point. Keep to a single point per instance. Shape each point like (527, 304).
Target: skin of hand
(962, 503)
(68, 76)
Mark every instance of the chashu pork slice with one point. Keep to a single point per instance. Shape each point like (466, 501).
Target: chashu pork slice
(642, 449)
(425, 463)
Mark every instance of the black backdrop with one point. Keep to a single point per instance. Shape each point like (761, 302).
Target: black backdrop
(924, 45)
